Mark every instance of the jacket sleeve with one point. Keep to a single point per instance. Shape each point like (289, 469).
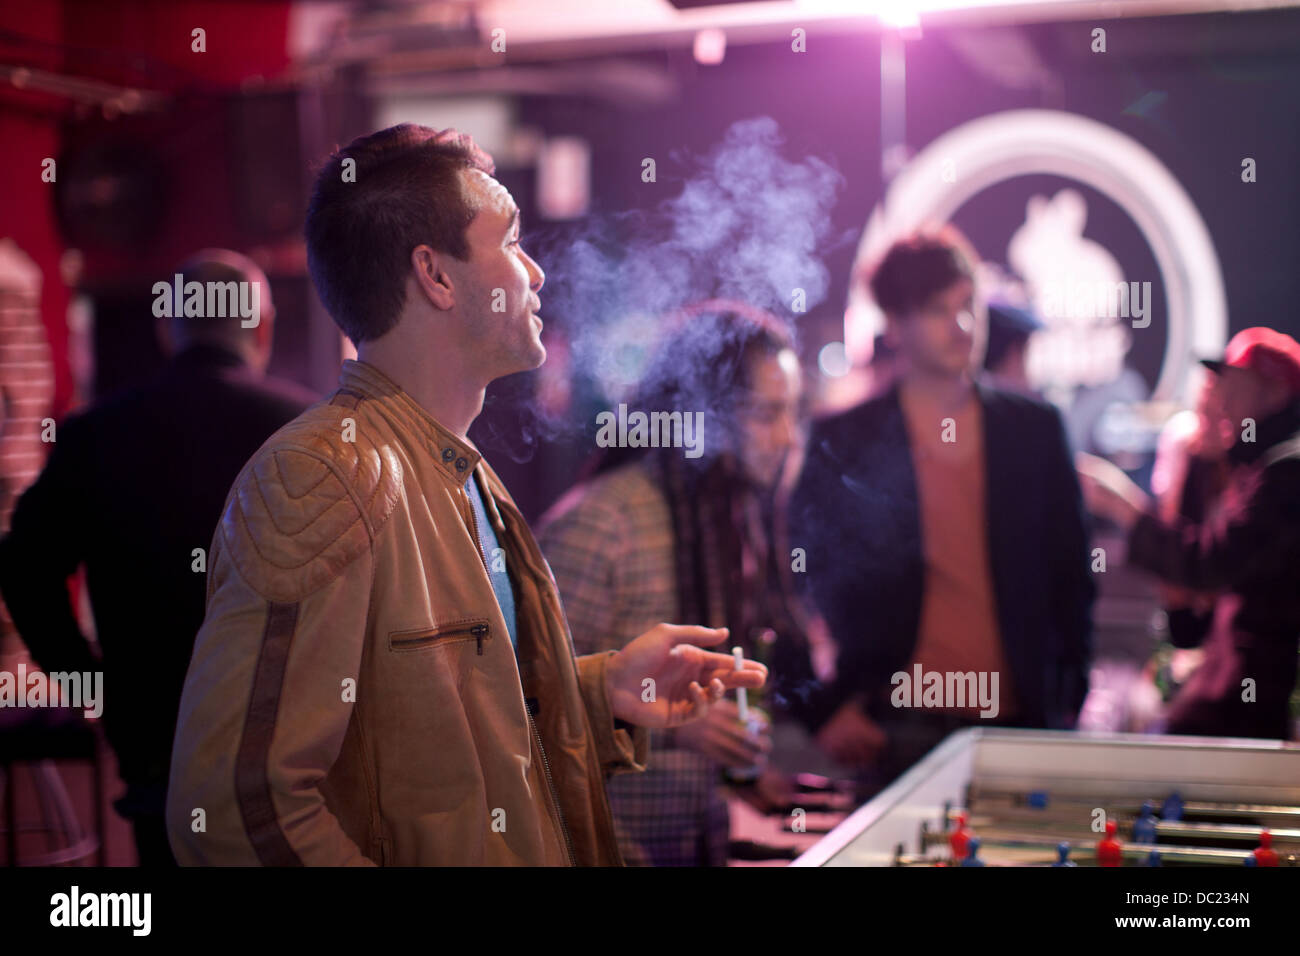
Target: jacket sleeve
(43, 548)
(623, 747)
(266, 704)
(1261, 532)
(1073, 586)
(584, 548)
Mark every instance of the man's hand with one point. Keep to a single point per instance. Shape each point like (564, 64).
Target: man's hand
(852, 738)
(1108, 492)
(659, 678)
(720, 736)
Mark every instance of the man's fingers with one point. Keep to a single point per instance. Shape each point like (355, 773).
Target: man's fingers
(699, 700)
(753, 674)
(693, 634)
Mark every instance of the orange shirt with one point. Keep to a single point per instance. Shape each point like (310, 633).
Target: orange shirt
(959, 625)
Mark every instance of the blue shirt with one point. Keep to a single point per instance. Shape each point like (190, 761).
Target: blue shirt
(495, 556)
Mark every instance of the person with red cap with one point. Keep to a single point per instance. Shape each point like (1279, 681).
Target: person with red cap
(1246, 551)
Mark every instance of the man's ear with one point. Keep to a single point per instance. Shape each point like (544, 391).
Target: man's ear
(431, 279)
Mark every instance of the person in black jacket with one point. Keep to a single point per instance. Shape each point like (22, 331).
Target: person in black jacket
(133, 489)
(944, 533)
(1245, 551)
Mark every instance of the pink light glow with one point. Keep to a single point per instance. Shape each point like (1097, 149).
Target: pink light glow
(901, 14)
(710, 47)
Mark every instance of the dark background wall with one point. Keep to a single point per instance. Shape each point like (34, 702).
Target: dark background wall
(229, 162)
(1200, 92)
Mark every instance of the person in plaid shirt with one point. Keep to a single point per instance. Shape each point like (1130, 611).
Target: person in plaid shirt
(656, 535)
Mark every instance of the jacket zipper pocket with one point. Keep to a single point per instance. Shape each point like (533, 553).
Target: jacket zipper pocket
(550, 783)
(458, 631)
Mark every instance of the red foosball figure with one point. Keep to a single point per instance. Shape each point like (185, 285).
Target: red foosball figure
(1109, 850)
(1264, 854)
(959, 839)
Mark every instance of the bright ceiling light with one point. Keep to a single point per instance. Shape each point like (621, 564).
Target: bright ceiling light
(710, 47)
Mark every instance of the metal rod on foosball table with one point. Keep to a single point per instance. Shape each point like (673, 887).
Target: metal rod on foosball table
(1169, 853)
(1044, 820)
(1225, 831)
(994, 799)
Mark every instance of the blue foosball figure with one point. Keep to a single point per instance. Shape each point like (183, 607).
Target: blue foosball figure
(1063, 855)
(972, 850)
(1173, 808)
(1144, 828)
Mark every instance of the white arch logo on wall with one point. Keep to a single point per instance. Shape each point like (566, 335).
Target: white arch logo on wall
(1007, 145)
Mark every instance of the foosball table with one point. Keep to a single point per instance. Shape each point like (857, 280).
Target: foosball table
(1056, 798)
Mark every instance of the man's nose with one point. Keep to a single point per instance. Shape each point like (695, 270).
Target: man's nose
(537, 278)
(787, 432)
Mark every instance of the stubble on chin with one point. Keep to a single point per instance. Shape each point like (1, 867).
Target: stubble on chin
(539, 355)
(526, 357)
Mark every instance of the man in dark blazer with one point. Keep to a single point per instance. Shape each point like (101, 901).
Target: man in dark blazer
(133, 490)
(944, 534)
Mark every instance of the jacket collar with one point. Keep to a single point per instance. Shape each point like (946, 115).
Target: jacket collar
(454, 455)
(984, 392)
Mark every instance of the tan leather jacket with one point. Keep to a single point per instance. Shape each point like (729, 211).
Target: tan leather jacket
(353, 697)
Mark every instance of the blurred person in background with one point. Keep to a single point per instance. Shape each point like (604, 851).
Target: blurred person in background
(133, 486)
(654, 534)
(1245, 549)
(944, 528)
(1010, 328)
(1189, 474)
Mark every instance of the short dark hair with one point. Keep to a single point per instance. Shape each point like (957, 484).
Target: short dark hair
(1001, 340)
(919, 266)
(404, 191)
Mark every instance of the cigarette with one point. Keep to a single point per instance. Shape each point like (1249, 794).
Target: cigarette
(742, 700)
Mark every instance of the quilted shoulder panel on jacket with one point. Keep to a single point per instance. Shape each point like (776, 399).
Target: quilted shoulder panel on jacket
(308, 504)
